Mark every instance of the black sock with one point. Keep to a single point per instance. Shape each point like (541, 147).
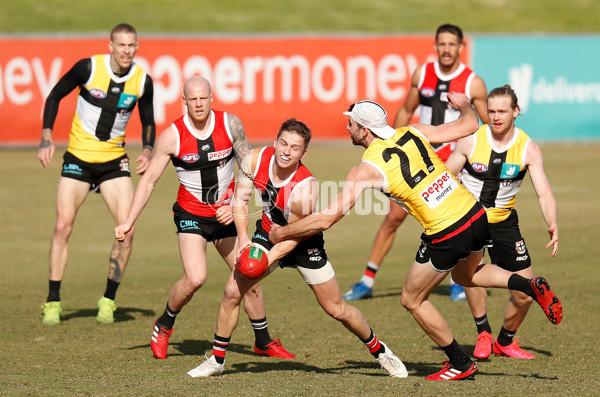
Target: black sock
(457, 356)
(111, 289)
(520, 283)
(261, 333)
(220, 346)
(53, 291)
(505, 337)
(167, 319)
(482, 324)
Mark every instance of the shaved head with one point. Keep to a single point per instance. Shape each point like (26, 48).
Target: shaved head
(196, 82)
(197, 97)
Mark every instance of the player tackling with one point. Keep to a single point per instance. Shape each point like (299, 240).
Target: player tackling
(401, 163)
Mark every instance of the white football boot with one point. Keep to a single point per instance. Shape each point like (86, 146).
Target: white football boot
(208, 368)
(391, 363)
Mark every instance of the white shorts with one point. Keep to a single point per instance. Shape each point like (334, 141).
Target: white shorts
(317, 276)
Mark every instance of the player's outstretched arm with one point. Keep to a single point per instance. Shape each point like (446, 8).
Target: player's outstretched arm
(535, 165)
(302, 203)
(165, 148)
(241, 198)
(359, 178)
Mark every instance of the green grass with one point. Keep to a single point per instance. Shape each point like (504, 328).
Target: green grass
(79, 357)
(245, 16)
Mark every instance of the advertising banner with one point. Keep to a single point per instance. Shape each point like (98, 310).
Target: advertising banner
(556, 80)
(263, 80)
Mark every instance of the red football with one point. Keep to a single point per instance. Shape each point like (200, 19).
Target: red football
(252, 262)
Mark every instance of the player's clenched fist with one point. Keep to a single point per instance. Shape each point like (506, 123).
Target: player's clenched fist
(122, 230)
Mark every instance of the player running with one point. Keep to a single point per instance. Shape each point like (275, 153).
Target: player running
(289, 192)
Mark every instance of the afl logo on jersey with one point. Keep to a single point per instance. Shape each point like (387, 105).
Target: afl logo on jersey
(427, 92)
(479, 167)
(191, 157)
(96, 93)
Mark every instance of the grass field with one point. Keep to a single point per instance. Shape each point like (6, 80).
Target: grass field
(256, 16)
(80, 358)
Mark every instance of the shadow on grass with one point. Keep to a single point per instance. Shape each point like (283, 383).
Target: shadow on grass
(391, 292)
(197, 348)
(441, 290)
(121, 315)
(425, 369)
(191, 347)
(262, 366)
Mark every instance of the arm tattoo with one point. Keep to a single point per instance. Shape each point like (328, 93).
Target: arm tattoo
(45, 143)
(240, 142)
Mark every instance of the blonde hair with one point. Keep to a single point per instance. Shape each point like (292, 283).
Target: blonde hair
(506, 90)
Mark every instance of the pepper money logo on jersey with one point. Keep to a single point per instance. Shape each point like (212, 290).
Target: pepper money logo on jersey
(221, 154)
(439, 190)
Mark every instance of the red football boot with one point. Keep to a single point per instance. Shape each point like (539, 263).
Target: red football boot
(483, 348)
(547, 299)
(451, 373)
(274, 349)
(160, 341)
(512, 350)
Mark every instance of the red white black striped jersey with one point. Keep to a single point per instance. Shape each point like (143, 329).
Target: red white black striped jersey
(205, 166)
(433, 98)
(276, 197)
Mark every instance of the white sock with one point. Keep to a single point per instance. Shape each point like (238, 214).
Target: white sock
(366, 278)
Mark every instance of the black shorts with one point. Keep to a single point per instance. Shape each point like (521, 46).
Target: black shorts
(309, 253)
(444, 249)
(208, 227)
(94, 173)
(507, 247)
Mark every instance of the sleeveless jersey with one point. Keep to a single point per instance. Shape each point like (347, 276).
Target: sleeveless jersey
(276, 197)
(494, 175)
(104, 106)
(433, 98)
(205, 166)
(418, 180)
